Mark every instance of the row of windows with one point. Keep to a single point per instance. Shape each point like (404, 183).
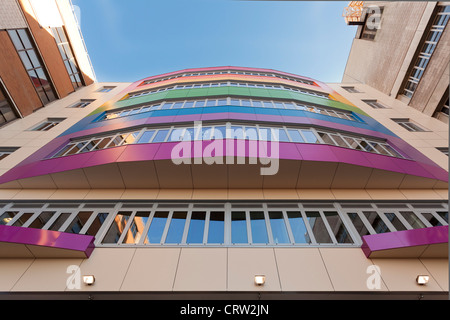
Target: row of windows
(67, 55)
(263, 74)
(225, 223)
(32, 63)
(229, 84)
(434, 34)
(229, 131)
(7, 111)
(230, 101)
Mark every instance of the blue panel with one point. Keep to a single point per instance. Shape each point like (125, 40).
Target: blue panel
(164, 113)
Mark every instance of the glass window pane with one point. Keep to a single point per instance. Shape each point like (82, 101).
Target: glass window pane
(340, 142)
(257, 104)
(134, 232)
(200, 104)
(398, 225)
(222, 102)
(412, 219)
(219, 132)
(258, 226)
(432, 219)
(59, 221)
(310, 136)
(26, 61)
(116, 228)
(282, 135)
(41, 220)
(268, 104)
(238, 227)
(7, 217)
(23, 219)
(189, 104)
(96, 224)
(374, 219)
(246, 103)
(15, 39)
(78, 223)
(196, 227)
(161, 135)
(177, 105)
(278, 227)
(326, 138)
(358, 224)
(318, 227)
(443, 215)
(337, 227)
(25, 39)
(146, 136)
(210, 103)
(176, 228)
(295, 135)
(298, 227)
(156, 228)
(216, 227)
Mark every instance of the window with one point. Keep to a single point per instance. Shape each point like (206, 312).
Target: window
(409, 125)
(47, 124)
(219, 131)
(67, 55)
(351, 89)
(81, 104)
(375, 104)
(33, 64)
(7, 111)
(4, 152)
(432, 36)
(105, 89)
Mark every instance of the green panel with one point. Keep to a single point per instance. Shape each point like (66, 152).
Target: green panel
(198, 92)
(239, 91)
(218, 91)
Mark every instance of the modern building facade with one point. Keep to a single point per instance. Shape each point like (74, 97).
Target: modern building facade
(42, 56)
(410, 42)
(191, 184)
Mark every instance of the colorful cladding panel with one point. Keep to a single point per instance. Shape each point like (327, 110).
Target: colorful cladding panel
(415, 163)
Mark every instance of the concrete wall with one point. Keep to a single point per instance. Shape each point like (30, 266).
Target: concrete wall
(224, 270)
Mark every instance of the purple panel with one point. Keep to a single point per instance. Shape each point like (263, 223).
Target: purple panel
(382, 162)
(351, 156)
(165, 150)
(296, 120)
(404, 239)
(153, 120)
(72, 162)
(316, 152)
(187, 118)
(242, 116)
(214, 116)
(269, 117)
(139, 152)
(105, 156)
(47, 238)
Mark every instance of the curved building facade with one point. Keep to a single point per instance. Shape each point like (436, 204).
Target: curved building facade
(198, 180)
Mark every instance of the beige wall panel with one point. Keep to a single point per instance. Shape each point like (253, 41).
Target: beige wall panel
(302, 269)
(109, 267)
(350, 194)
(46, 275)
(15, 250)
(104, 176)
(443, 193)
(7, 194)
(30, 194)
(280, 194)
(245, 263)
(152, 269)
(73, 179)
(417, 194)
(69, 194)
(202, 269)
(144, 194)
(315, 194)
(210, 194)
(348, 269)
(11, 270)
(400, 275)
(244, 194)
(174, 194)
(385, 194)
(438, 269)
(99, 194)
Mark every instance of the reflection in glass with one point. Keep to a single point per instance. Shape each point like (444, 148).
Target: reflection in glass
(79, 222)
(117, 227)
(23, 219)
(358, 224)
(41, 220)
(196, 227)
(238, 227)
(318, 227)
(134, 232)
(337, 227)
(7, 217)
(156, 227)
(97, 223)
(412, 219)
(398, 225)
(374, 219)
(432, 219)
(298, 227)
(176, 228)
(258, 226)
(216, 227)
(278, 227)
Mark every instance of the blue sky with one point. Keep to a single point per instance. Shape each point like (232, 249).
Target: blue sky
(134, 39)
